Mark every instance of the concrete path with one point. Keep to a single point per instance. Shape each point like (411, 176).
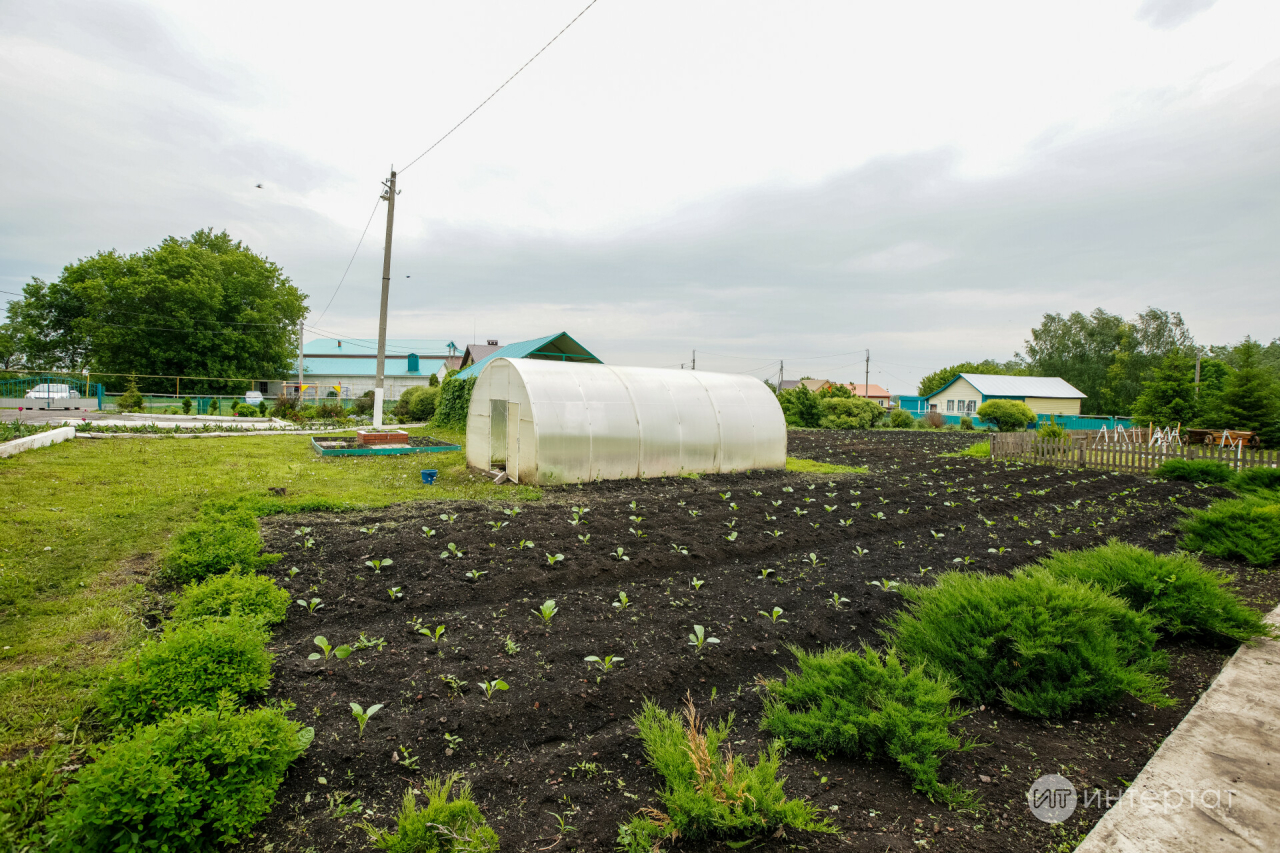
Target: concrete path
(1214, 784)
(54, 416)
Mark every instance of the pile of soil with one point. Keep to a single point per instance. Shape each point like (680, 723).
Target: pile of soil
(560, 740)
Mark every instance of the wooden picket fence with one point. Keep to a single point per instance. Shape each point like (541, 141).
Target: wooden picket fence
(1077, 452)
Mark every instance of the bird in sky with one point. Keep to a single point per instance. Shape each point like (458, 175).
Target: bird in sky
(259, 186)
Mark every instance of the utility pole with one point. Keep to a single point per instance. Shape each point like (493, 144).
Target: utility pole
(299, 362)
(866, 378)
(390, 197)
(695, 360)
(780, 368)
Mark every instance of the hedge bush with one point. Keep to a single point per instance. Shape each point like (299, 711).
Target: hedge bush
(453, 403)
(190, 667)
(1246, 529)
(899, 419)
(849, 413)
(417, 404)
(1193, 471)
(1257, 479)
(866, 706)
(441, 826)
(706, 793)
(1175, 588)
(214, 544)
(233, 594)
(1042, 645)
(1007, 415)
(195, 781)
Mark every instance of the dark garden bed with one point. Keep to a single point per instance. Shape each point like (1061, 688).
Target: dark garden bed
(560, 740)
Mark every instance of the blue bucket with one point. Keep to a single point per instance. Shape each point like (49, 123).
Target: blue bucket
(429, 476)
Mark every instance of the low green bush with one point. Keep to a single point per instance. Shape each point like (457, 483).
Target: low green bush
(1257, 480)
(245, 410)
(1052, 431)
(866, 706)
(849, 413)
(233, 594)
(1007, 415)
(441, 826)
(131, 400)
(195, 781)
(190, 667)
(1246, 529)
(707, 794)
(899, 419)
(1042, 645)
(966, 423)
(1184, 595)
(1193, 471)
(214, 544)
(417, 404)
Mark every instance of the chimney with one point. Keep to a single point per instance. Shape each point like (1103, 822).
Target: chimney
(493, 342)
(339, 344)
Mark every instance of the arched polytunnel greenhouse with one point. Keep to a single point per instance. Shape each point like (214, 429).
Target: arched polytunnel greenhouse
(555, 422)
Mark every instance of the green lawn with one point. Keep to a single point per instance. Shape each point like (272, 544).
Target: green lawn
(86, 520)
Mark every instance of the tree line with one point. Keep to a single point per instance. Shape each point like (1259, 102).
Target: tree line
(1146, 368)
(203, 306)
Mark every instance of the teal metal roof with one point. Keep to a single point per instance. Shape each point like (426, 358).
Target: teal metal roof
(557, 347)
(367, 346)
(367, 367)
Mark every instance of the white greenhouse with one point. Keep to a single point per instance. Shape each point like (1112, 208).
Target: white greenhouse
(557, 422)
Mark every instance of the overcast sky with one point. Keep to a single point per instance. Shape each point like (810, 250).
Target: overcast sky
(756, 181)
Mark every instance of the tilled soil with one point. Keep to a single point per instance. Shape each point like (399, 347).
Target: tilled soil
(559, 741)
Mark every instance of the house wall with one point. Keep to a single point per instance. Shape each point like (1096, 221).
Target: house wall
(960, 391)
(1054, 405)
(354, 386)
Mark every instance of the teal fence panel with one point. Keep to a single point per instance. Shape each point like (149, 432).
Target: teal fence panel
(1087, 421)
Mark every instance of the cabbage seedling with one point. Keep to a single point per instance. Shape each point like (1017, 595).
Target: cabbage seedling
(454, 550)
(551, 561)
(679, 549)
(547, 610)
(776, 503)
(733, 535)
(476, 574)
(836, 600)
(887, 585)
(433, 635)
(428, 532)
(724, 496)
(513, 512)
(491, 687)
(937, 535)
(606, 665)
(764, 574)
(730, 523)
(774, 533)
(830, 508)
(585, 540)
(293, 571)
(695, 583)
(496, 525)
(773, 616)
(619, 555)
(312, 606)
(699, 637)
(623, 602)
(362, 716)
(378, 565)
(340, 652)
(395, 593)
(860, 551)
(450, 517)
(521, 545)
(799, 511)
(787, 489)
(813, 560)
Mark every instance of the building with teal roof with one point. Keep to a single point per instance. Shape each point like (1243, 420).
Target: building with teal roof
(557, 347)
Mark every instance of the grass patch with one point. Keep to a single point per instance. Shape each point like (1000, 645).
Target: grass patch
(106, 508)
(1245, 529)
(443, 825)
(1184, 595)
(810, 466)
(863, 705)
(980, 450)
(709, 793)
(1042, 645)
(1193, 471)
(1257, 480)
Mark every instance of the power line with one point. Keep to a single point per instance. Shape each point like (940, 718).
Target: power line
(359, 243)
(499, 89)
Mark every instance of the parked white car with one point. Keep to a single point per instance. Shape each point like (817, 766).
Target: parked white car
(51, 391)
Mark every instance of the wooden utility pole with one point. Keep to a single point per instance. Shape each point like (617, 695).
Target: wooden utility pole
(390, 197)
(695, 360)
(866, 378)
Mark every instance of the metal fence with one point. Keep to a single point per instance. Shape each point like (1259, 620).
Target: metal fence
(1079, 451)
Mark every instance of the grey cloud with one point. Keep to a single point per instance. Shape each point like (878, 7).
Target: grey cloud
(1170, 14)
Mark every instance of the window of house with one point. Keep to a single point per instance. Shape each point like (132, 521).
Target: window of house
(951, 405)
(973, 404)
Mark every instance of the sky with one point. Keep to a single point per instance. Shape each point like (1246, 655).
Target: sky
(757, 182)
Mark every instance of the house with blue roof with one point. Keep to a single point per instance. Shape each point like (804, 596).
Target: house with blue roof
(1045, 395)
(348, 366)
(557, 347)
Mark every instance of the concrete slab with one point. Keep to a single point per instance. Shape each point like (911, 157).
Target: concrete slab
(1214, 784)
(31, 442)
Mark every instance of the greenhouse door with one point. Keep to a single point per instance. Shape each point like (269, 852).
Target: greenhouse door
(497, 433)
(513, 442)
